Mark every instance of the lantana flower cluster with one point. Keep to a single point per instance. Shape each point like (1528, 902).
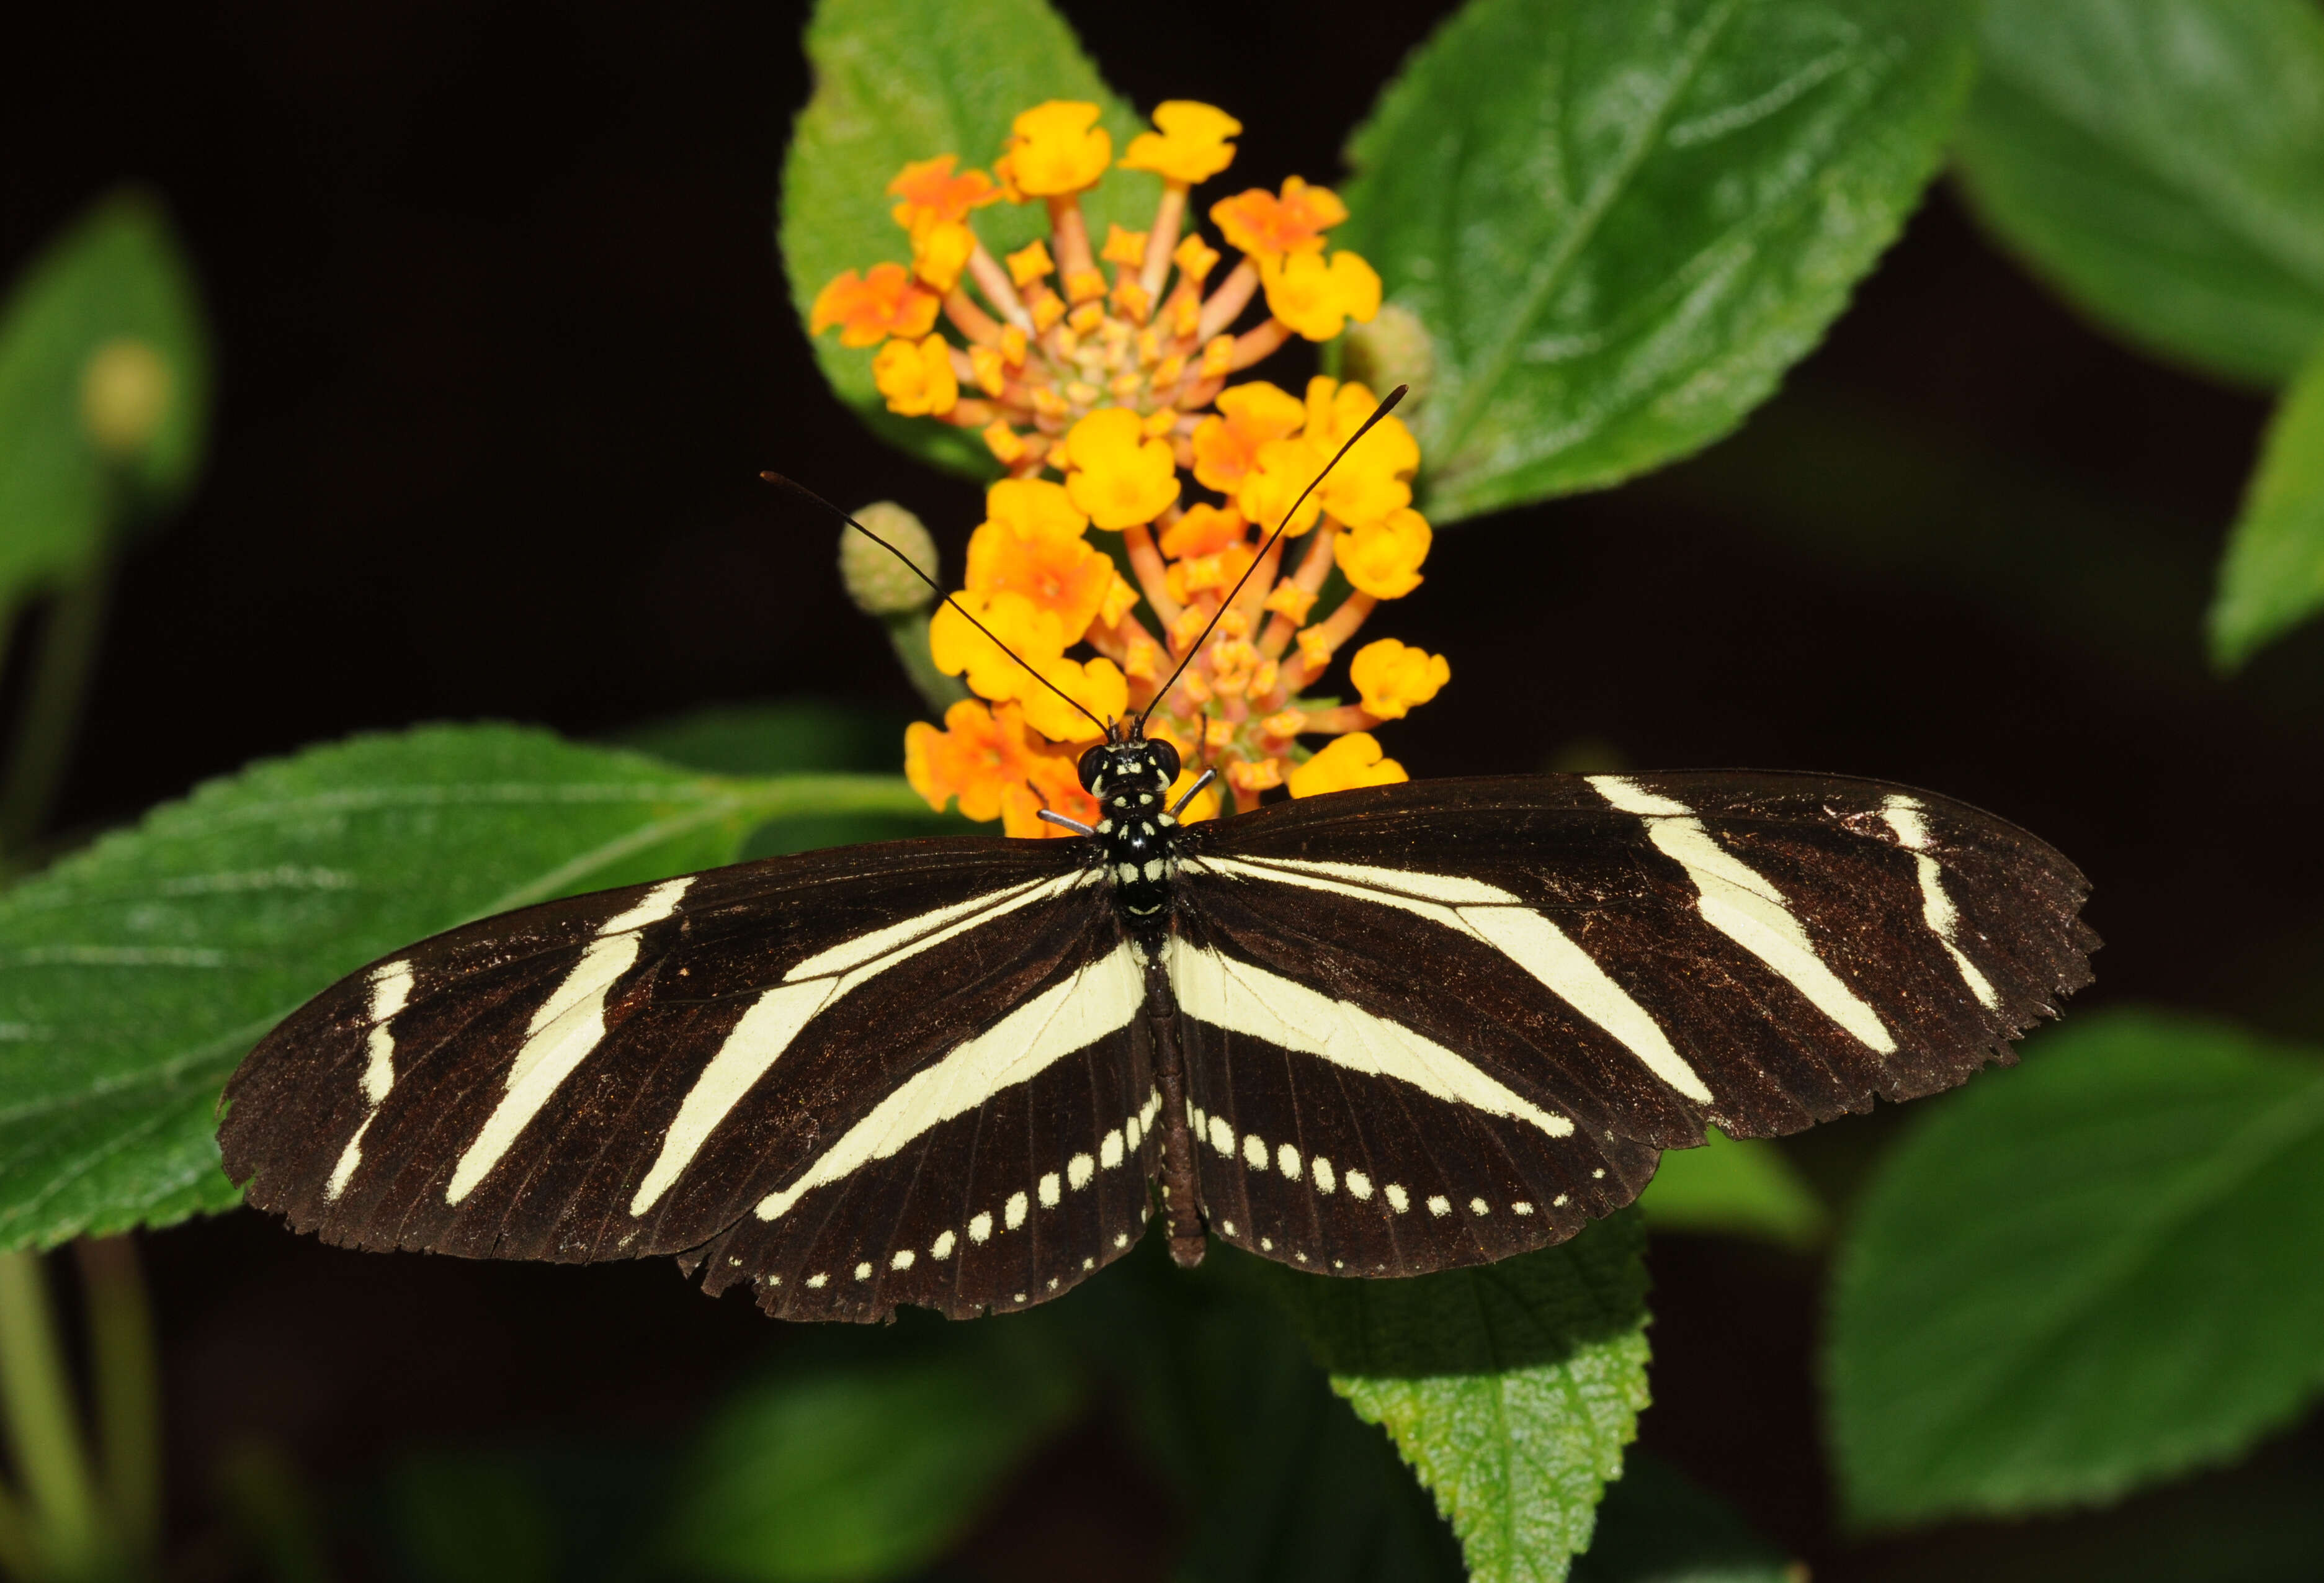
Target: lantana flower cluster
(1108, 400)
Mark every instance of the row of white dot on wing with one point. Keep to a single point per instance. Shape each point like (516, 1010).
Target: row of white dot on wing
(1116, 1146)
(1325, 1176)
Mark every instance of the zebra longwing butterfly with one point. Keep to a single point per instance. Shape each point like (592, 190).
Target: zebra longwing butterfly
(1377, 1032)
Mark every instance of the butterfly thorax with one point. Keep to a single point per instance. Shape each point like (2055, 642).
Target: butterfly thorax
(1135, 829)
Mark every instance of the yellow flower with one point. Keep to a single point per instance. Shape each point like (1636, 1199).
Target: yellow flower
(1383, 559)
(1192, 145)
(1284, 468)
(959, 649)
(1393, 679)
(1369, 484)
(1098, 686)
(933, 195)
(940, 252)
(1058, 148)
(1121, 478)
(1315, 299)
(1030, 262)
(1226, 448)
(1353, 760)
(1123, 246)
(917, 378)
(1204, 803)
(1264, 226)
(871, 308)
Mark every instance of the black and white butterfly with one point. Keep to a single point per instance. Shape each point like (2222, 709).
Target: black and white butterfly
(1377, 1033)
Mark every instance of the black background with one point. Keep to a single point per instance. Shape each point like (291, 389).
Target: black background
(503, 341)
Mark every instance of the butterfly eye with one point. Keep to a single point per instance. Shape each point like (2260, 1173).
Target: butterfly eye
(1092, 765)
(1165, 758)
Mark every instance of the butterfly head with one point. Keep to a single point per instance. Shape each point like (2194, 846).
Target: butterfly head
(1119, 774)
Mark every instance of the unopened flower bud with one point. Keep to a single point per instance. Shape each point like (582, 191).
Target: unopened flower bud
(880, 584)
(1393, 349)
(125, 395)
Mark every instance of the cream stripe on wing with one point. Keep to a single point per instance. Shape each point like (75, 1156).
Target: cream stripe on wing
(391, 992)
(1937, 910)
(780, 1015)
(1242, 998)
(1100, 999)
(570, 1024)
(1736, 901)
(1503, 922)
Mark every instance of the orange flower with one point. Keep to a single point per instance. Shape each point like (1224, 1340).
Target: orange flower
(1383, 559)
(872, 308)
(959, 649)
(1192, 145)
(1030, 543)
(1394, 679)
(1345, 762)
(933, 195)
(1315, 299)
(978, 754)
(916, 379)
(1204, 530)
(1121, 478)
(1097, 685)
(1265, 225)
(1051, 783)
(1226, 448)
(1057, 148)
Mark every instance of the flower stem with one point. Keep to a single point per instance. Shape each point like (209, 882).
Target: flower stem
(42, 1433)
(125, 1379)
(908, 633)
(61, 666)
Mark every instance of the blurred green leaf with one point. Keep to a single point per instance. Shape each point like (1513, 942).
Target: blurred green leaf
(854, 1465)
(2162, 164)
(474, 1519)
(2100, 1270)
(1741, 1185)
(104, 392)
(1621, 220)
(1510, 1388)
(134, 975)
(1656, 1526)
(795, 737)
(2271, 578)
(897, 80)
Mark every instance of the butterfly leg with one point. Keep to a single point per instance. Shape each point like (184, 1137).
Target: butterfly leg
(1182, 1217)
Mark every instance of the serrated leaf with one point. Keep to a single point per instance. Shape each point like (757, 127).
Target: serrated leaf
(1746, 1185)
(2103, 1269)
(2271, 577)
(1510, 1388)
(860, 1463)
(2162, 164)
(134, 975)
(908, 79)
(1621, 220)
(1656, 1526)
(114, 285)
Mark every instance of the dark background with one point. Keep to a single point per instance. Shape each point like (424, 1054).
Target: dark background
(503, 342)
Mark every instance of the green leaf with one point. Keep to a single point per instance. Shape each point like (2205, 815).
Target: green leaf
(104, 392)
(2103, 1269)
(1742, 1185)
(1621, 220)
(2271, 578)
(473, 1518)
(1656, 1526)
(1510, 1388)
(2162, 164)
(871, 1462)
(134, 975)
(795, 737)
(908, 79)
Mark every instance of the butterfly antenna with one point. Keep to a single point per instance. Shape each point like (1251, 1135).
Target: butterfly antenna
(1386, 406)
(811, 499)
